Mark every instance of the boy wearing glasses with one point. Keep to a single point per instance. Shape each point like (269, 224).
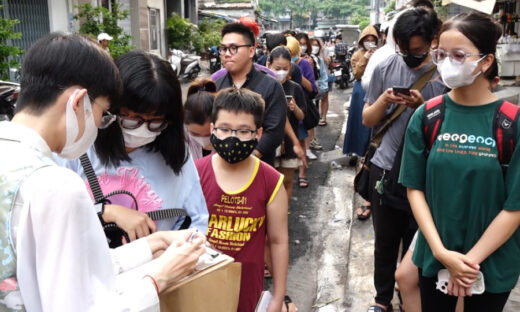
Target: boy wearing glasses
(245, 197)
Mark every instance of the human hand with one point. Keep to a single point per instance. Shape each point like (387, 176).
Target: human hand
(388, 97)
(300, 153)
(291, 104)
(160, 241)
(454, 289)
(177, 261)
(368, 53)
(462, 268)
(136, 224)
(309, 59)
(413, 100)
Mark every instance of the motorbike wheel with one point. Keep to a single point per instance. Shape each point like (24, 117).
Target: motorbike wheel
(194, 73)
(343, 84)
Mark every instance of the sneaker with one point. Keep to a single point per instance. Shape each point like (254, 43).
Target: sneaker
(311, 155)
(314, 144)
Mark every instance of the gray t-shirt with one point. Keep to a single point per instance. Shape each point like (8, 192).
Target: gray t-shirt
(394, 72)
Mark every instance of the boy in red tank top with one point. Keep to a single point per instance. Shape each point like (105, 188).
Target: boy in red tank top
(245, 197)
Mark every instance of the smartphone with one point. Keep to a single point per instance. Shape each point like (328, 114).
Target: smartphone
(401, 90)
(288, 97)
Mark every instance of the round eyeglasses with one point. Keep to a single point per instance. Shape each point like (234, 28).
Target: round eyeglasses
(233, 49)
(134, 122)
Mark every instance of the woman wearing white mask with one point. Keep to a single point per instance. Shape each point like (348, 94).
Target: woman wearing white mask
(145, 152)
(197, 117)
(286, 160)
(55, 256)
(471, 228)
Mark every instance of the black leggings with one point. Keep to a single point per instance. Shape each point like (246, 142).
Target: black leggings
(433, 300)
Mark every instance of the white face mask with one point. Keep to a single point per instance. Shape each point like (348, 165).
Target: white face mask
(281, 75)
(315, 49)
(138, 137)
(369, 45)
(457, 75)
(202, 141)
(72, 150)
(303, 49)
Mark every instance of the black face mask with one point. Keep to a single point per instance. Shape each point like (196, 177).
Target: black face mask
(231, 149)
(413, 61)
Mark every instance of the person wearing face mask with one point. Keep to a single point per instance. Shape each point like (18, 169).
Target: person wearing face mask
(287, 161)
(55, 256)
(248, 194)
(197, 113)
(145, 152)
(322, 61)
(412, 68)
(474, 227)
(357, 135)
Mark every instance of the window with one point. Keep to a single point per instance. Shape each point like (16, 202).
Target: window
(155, 24)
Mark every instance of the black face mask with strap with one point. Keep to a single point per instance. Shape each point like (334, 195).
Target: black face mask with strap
(231, 149)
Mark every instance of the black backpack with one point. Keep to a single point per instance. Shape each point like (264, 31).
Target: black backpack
(505, 124)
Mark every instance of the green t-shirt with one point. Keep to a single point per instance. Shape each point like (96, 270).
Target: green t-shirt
(464, 188)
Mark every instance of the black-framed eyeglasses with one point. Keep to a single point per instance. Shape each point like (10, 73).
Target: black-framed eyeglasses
(134, 122)
(233, 49)
(107, 119)
(242, 134)
(457, 56)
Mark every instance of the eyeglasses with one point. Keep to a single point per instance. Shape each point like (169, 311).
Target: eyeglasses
(418, 56)
(242, 134)
(107, 119)
(457, 56)
(233, 49)
(134, 122)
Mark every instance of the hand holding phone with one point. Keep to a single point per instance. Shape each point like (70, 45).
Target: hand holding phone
(401, 90)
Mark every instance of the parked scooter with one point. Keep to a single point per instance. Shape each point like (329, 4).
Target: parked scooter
(342, 69)
(214, 59)
(8, 95)
(184, 65)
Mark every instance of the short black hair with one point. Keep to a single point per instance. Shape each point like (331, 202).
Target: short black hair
(239, 28)
(239, 101)
(199, 104)
(423, 3)
(415, 22)
(58, 61)
(149, 86)
(289, 32)
(274, 40)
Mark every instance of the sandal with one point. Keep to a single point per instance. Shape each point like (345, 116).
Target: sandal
(287, 300)
(363, 215)
(376, 308)
(303, 182)
(322, 123)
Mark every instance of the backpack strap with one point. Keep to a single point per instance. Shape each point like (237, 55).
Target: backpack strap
(433, 115)
(505, 126)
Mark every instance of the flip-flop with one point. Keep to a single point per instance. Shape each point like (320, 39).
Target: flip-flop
(287, 300)
(303, 182)
(322, 123)
(364, 216)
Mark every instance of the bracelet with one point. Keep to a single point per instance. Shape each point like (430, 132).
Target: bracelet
(154, 283)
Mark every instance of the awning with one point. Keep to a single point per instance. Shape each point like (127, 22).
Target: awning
(485, 6)
(227, 18)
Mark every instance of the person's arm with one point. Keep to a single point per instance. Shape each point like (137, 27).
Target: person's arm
(297, 148)
(307, 84)
(194, 202)
(278, 239)
(373, 113)
(136, 224)
(274, 121)
(295, 109)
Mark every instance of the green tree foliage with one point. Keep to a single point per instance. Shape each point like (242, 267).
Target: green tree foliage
(183, 35)
(7, 51)
(98, 19)
(390, 7)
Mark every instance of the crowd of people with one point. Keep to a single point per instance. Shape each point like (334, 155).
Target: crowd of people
(441, 182)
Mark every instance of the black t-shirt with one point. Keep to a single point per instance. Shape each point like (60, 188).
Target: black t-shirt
(294, 89)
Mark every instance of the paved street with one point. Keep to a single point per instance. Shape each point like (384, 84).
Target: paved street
(331, 253)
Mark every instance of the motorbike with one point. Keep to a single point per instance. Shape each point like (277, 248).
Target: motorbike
(8, 95)
(184, 65)
(214, 59)
(342, 69)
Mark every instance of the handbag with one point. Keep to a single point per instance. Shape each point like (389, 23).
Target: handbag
(361, 180)
(114, 233)
(312, 116)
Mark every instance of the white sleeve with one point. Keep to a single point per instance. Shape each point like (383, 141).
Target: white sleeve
(63, 259)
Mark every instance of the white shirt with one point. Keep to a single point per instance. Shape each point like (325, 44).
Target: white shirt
(63, 259)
